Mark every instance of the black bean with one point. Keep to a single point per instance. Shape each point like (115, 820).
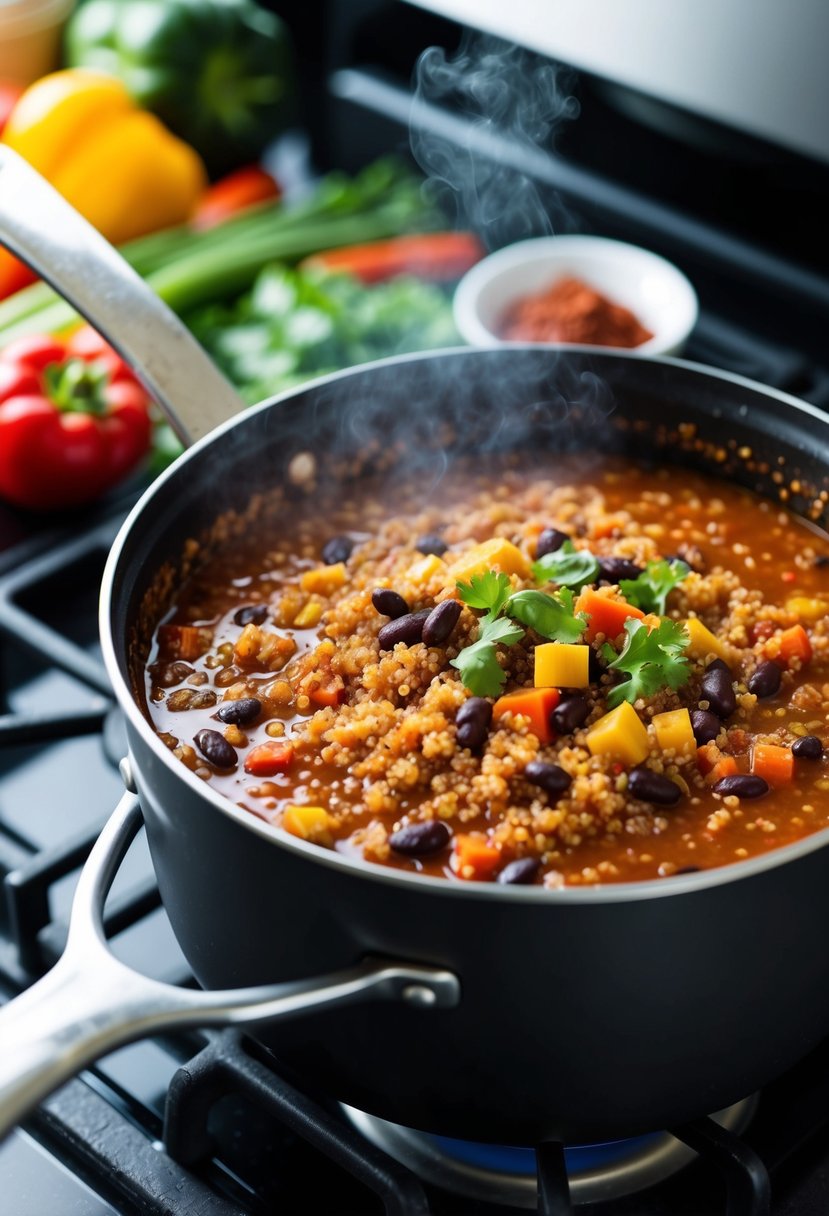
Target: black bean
(337, 549)
(431, 543)
(653, 787)
(420, 839)
(595, 667)
(706, 726)
(408, 629)
(549, 540)
(718, 665)
(440, 622)
(549, 777)
(472, 720)
(821, 560)
(744, 785)
(167, 675)
(241, 712)
(389, 603)
(807, 747)
(765, 679)
(524, 869)
(570, 713)
(611, 569)
(717, 690)
(251, 614)
(215, 748)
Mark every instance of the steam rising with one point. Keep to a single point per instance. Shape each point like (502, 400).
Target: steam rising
(499, 90)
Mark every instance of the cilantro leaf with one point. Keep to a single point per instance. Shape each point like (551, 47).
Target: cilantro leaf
(550, 615)
(568, 566)
(489, 591)
(652, 659)
(478, 664)
(653, 586)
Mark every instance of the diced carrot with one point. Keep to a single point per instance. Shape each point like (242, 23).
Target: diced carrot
(331, 694)
(269, 758)
(772, 762)
(795, 644)
(183, 641)
(537, 704)
(708, 756)
(605, 615)
(473, 858)
(726, 766)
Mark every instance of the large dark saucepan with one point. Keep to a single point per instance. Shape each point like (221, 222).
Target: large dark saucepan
(579, 1014)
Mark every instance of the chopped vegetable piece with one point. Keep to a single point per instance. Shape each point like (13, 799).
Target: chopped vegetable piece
(620, 734)
(473, 858)
(437, 256)
(605, 614)
(652, 587)
(330, 694)
(702, 643)
(269, 758)
(324, 579)
(674, 732)
(309, 823)
(567, 566)
(183, 641)
(309, 615)
(726, 766)
(773, 763)
(652, 658)
(807, 608)
(536, 704)
(794, 644)
(478, 664)
(550, 615)
(495, 552)
(562, 665)
(426, 568)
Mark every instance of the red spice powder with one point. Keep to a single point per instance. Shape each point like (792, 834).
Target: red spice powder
(572, 311)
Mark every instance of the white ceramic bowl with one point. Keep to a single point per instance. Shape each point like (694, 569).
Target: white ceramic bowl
(659, 295)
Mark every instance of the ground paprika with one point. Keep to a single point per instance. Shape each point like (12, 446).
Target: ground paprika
(572, 311)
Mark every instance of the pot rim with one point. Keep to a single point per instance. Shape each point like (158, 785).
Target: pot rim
(611, 893)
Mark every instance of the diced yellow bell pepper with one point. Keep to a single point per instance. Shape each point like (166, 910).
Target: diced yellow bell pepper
(322, 580)
(620, 734)
(807, 608)
(674, 732)
(562, 665)
(309, 615)
(309, 823)
(703, 642)
(495, 553)
(426, 568)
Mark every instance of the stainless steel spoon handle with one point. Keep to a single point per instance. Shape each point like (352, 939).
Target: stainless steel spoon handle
(39, 226)
(91, 1003)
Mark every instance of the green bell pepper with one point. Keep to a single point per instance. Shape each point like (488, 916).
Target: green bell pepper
(219, 73)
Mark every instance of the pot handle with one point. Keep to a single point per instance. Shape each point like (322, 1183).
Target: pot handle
(38, 225)
(91, 1003)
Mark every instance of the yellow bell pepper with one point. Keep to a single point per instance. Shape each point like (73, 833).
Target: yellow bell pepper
(116, 164)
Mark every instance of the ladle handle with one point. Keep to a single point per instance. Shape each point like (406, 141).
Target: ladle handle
(91, 1003)
(39, 226)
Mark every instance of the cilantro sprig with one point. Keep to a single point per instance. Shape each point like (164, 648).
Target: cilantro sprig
(651, 589)
(550, 615)
(568, 566)
(652, 659)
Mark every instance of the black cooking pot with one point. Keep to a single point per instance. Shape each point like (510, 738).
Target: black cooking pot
(511, 1014)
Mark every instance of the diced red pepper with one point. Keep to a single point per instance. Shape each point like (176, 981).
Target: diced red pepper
(268, 759)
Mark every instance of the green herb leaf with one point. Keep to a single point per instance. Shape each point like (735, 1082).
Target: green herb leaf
(489, 591)
(478, 664)
(550, 615)
(651, 589)
(568, 566)
(653, 659)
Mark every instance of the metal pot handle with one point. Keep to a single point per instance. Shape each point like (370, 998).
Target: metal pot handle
(38, 225)
(91, 1003)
